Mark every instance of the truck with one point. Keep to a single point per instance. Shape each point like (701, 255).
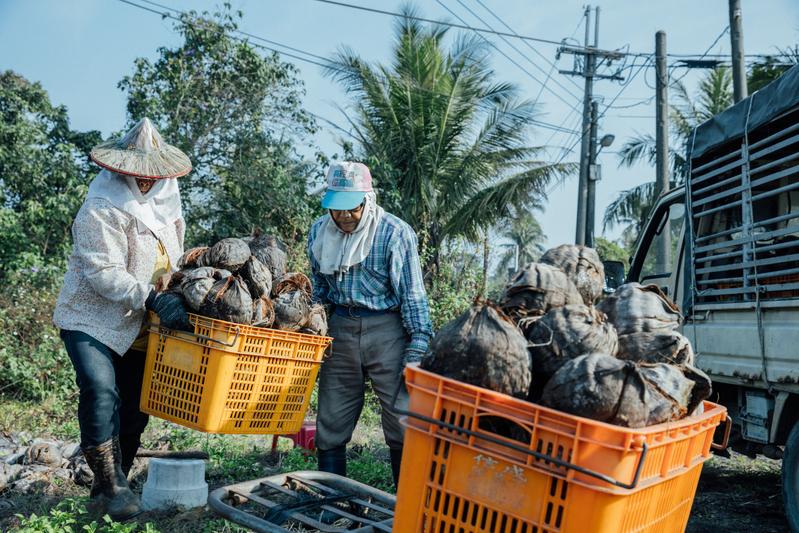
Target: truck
(724, 246)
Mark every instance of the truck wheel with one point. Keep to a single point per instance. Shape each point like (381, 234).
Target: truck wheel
(790, 479)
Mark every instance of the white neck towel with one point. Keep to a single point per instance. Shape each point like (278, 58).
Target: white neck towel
(336, 251)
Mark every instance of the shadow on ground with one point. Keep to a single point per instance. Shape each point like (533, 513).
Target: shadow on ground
(738, 494)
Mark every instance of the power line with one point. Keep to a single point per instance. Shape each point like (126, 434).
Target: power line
(512, 35)
(533, 63)
(329, 64)
(709, 48)
(553, 66)
(239, 39)
(439, 22)
(602, 114)
(506, 56)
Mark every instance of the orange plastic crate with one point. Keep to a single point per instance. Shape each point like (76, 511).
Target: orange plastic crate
(564, 474)
(230, 378)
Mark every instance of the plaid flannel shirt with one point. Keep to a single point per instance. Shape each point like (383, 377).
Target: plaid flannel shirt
(389, 278)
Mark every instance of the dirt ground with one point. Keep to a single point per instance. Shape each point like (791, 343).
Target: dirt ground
(734, 495)
(738, 494)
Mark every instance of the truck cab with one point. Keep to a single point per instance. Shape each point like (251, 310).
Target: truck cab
(725, 248)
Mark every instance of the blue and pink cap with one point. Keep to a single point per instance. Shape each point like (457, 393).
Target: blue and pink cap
(347, 185)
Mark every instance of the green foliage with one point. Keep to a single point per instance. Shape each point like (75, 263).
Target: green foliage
(368, 468)
(456, 284)
(70, 516)
(44, 174)
(33, 362)
(611, 251)
(446, 141)
(298, 459)
(238, 116)
(525, 233)
(363, 464)
(763, 72)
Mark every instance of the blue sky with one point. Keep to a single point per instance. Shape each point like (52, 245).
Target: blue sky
(80, 49)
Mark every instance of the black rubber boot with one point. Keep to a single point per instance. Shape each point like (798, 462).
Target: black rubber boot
(128, 445)
(396, 459)
(112, 493)
(333, 461)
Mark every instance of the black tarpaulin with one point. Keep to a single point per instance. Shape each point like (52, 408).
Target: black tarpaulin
(774, 99)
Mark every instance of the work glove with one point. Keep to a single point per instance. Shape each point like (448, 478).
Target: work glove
(170, 308)
(410, 356)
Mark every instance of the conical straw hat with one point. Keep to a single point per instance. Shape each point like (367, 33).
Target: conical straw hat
(142, 153)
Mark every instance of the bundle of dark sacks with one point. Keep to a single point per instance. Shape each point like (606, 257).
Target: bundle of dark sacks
(245, 281)
(621, 361)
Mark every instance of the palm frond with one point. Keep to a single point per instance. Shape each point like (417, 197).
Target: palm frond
(631, 207)
(523, 190)
(640, 147)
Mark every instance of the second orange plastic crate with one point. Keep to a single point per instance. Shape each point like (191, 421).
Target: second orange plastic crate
(562, 473)
(230, 378)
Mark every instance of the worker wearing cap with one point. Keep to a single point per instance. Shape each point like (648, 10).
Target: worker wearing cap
(365, 265)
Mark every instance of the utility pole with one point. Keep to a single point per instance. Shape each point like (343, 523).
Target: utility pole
(582, 184)
(592, 58)
(662, 144)
(593, 176)
(739, 89)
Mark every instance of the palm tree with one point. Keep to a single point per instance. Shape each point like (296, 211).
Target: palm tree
(633, 205)
(446, 142)
(525, 233)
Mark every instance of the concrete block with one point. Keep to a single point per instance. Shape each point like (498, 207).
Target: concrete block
(175, 483)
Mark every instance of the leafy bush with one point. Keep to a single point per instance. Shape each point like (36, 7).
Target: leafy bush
(454, 287)
(368, 468)
(33, 362)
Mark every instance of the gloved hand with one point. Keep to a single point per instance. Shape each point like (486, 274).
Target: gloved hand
(170, 308)
(411, 356)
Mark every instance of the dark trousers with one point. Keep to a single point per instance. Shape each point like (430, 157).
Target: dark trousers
(110, 388)
(370, 347)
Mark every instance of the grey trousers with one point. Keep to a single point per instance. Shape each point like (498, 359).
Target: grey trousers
(369, 347)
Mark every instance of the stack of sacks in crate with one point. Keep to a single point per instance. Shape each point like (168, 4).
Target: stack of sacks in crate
(621, 361)
(245, 281)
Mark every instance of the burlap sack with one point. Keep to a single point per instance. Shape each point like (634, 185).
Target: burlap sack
(536, 289)
(228, 300)
(582, 265)
(482, 347)
(656, 347)
(607, 389)
(229, 254)
(568, 332)
(635, 308)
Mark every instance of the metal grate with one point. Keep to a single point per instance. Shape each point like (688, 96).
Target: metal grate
(744, 204)
(305, 501)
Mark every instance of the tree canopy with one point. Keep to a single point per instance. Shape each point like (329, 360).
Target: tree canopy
(238, 115)
(44, 175)
(447, 142)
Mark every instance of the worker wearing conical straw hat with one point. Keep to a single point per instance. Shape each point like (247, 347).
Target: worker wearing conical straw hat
(127, 235)
(365, 264)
